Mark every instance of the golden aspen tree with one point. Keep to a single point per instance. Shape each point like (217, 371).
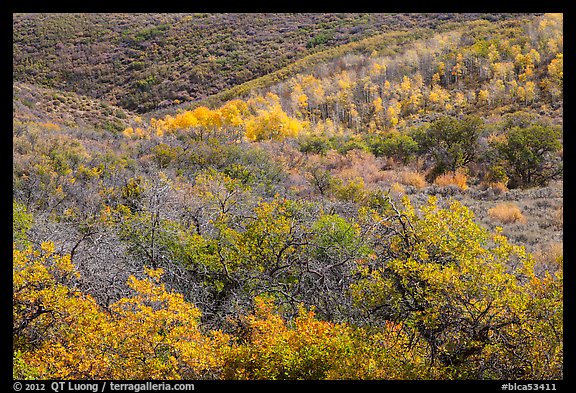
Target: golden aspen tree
(458, 69)
(405, 86)
(273, 123)
(530, 89)
(483, 97)
(556, 68)
(392, 114)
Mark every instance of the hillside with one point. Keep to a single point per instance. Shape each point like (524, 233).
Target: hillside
(145, 61)
(32, 103)
(338, 196)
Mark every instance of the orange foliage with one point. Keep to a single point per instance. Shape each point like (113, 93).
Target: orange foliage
(452, 178)
(411, 178)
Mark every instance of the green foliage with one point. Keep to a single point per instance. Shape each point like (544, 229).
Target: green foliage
(400, 146)
(336, 239)
(21, 224)
(20, 369)
(466, 293)
(113, 126)
(269, 215)
(452, 143)
(314, 144)
(319, 39)
(344, 145)
(349, 190)
(165, 154)
(265, 244)
(530, 155)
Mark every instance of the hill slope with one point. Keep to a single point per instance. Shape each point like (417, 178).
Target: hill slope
(385, 208)
(145, 61)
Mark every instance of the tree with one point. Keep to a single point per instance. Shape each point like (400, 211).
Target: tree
(470, 295)
(400, 146)
(62, 333)
(529, 153)
(272, 124)
(21, 223)
(307, 347)
(451, 143)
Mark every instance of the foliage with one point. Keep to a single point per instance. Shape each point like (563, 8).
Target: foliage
(457, 179)
(529, 155)
(21, 223)
(62, 333)
(467, 294)
(255, 234)
(506, 213)
(272, 124)
(451, 143)
(400, 146)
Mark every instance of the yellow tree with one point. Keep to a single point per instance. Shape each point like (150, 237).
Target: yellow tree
(61, 333)
(473, 297)
(308, 348)
(272, 123)
(157, 335)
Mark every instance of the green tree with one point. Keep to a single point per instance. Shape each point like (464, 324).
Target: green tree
(21, 223)
(451, 143)
(400, 146)
(530, 155)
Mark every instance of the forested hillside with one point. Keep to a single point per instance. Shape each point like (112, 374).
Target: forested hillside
(145, 61)
(288, 196)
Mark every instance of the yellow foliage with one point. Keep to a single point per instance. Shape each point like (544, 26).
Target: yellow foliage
(556, 67)
(233, 112)
(153, 334)
(272, 124)
(312, 349)
(483, 96)
(50, 126)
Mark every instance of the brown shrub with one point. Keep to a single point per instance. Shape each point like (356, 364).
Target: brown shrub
(452, 178)
(550, 255)
(498, 187)
(415, 179)
(559, 217)
(506, 213)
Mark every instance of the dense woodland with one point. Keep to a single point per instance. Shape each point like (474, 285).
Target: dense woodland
(288, 196)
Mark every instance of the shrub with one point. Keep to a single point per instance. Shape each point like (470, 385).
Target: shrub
(398, 188)
(415, 179)
(394, 144)
(452, 178)
(550, 255)
(498, 187)
(451, 143)
(506, 213)
(559, 217)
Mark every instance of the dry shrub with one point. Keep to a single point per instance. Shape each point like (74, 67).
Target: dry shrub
(498, 187)
(397, 189)
(559, 217)
(390, 177)
(415, 179)
(452, 178)
(506, 213)
(551, 254)
(356, 163)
